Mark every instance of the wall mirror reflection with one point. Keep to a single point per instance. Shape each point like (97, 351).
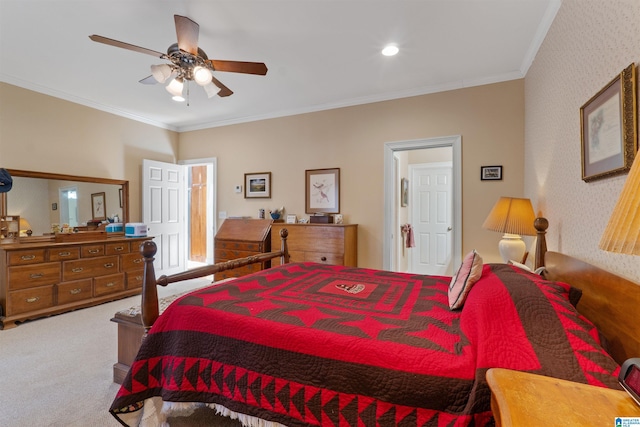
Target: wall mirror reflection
(45, 200)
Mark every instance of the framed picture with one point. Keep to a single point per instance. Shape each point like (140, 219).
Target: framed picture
(292, 218)
(322, 190)
(257, 185)
(98, 206)
(608, 128)
(337, 219)
(404, 192)
(120, 195)
(491, 173)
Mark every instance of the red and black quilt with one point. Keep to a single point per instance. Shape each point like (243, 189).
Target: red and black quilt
(308, 345)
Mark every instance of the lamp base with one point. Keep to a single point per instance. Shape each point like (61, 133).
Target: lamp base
(512, 247)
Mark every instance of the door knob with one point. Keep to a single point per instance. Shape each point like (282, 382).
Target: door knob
(449, 228)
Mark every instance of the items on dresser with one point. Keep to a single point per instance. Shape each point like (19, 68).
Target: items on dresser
(239, 238)
(40, 279)
(323, 243)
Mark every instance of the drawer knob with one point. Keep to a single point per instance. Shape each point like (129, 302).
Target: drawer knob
(94, 251)
(323, 259)
(63, 254)
(138, 260)
(37, 275)
(75, 291)
(27, 257)
(33, 299)
(110, 285)
(119, 248)
(77, 270)
(109, 265)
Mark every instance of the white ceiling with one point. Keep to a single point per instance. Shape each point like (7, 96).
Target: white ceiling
(320, 53)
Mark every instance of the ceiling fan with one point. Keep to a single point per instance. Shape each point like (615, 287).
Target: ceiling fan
(188, 62)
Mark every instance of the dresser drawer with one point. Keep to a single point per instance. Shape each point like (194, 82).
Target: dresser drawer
(90, 251)
(132, 261)
(84, 268)
(237, 272)
(75, 291)
(240, 246)
(27, 256)
(220, 255)
(28, 276)
(134, 279)
(323, 258)
(117, 248)
(108, 284)
(30, 300)
(64, 253)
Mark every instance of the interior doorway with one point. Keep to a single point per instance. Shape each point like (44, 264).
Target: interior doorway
(396, 161)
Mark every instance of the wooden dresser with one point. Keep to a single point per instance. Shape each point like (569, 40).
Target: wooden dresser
(239, 238)
(40, 279)
(322, 243)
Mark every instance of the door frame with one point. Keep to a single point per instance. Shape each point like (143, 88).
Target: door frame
(390, 235)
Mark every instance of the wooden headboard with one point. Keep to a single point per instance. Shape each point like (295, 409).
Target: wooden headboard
(611, 302)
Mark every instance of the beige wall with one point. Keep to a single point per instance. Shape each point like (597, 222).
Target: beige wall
(489, 119)
(39, 132)
(43, 133)
(589, 43)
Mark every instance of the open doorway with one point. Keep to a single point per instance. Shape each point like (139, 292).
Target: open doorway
(423, 163)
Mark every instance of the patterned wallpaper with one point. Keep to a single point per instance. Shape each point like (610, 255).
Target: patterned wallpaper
(589, 43)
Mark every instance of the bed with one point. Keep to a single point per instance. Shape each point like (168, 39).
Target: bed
(307, 344)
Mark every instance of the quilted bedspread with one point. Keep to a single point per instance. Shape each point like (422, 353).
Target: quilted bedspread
(308, 344)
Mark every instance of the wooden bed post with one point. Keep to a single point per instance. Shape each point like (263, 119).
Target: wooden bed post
(150, 310)
(541, 224)
(284, 259)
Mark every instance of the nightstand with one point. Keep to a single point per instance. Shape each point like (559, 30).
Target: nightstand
(524, 399)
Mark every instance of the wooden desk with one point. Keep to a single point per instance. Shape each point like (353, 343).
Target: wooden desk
(523, 399)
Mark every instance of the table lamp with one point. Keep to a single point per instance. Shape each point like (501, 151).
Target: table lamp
(25, 227)
(622, 234)
(513, 217)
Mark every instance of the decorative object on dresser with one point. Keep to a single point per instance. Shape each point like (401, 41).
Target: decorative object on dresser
(609, 128)
(513, 217)
(9, 228)
(321, 243)
(40, 279)
(239, 238)
(322, 191)
(257, 185)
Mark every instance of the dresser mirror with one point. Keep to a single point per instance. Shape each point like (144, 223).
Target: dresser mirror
(42, 200)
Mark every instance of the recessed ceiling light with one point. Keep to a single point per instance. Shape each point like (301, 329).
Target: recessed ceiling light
(390, 50)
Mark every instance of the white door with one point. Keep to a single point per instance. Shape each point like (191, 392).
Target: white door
(163, 213)
(431, 219)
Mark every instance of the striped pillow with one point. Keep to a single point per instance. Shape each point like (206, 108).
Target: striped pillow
(461, 283)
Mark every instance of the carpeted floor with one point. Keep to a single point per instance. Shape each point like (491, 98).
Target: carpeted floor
(57, 371)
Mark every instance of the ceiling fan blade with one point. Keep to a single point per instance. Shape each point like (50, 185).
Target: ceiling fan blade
(149, 80)
(239, 67)
(187, 32)
(224, 91)
(124, 45)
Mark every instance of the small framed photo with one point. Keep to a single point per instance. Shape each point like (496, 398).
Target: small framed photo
(404, 192)
(257, 185)
(491, 173)
(292, 218)
(337, 219)
(609, 128)
(322, 191)
(98, 206)
(54, 206)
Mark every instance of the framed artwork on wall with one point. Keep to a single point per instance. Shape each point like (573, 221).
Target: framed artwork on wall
(257, 185)
(490, 173)
(98, 206)
(322, 190)
(404, 192)
(609, 128)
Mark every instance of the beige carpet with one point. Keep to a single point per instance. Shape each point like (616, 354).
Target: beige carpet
(57, 371)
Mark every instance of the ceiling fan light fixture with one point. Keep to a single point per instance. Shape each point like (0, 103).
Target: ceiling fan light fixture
(178, 98)
(211, 89)
(202, 76)
(175, 87)
(161, 72)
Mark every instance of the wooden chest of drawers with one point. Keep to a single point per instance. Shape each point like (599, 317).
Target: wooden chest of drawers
(39, 279)
(322, 243)
(239, 238)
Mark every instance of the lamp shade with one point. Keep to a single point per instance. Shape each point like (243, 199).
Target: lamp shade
(511, 215)
(622, 234)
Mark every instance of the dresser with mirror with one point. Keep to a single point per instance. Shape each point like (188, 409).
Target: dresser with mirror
(55, 252)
